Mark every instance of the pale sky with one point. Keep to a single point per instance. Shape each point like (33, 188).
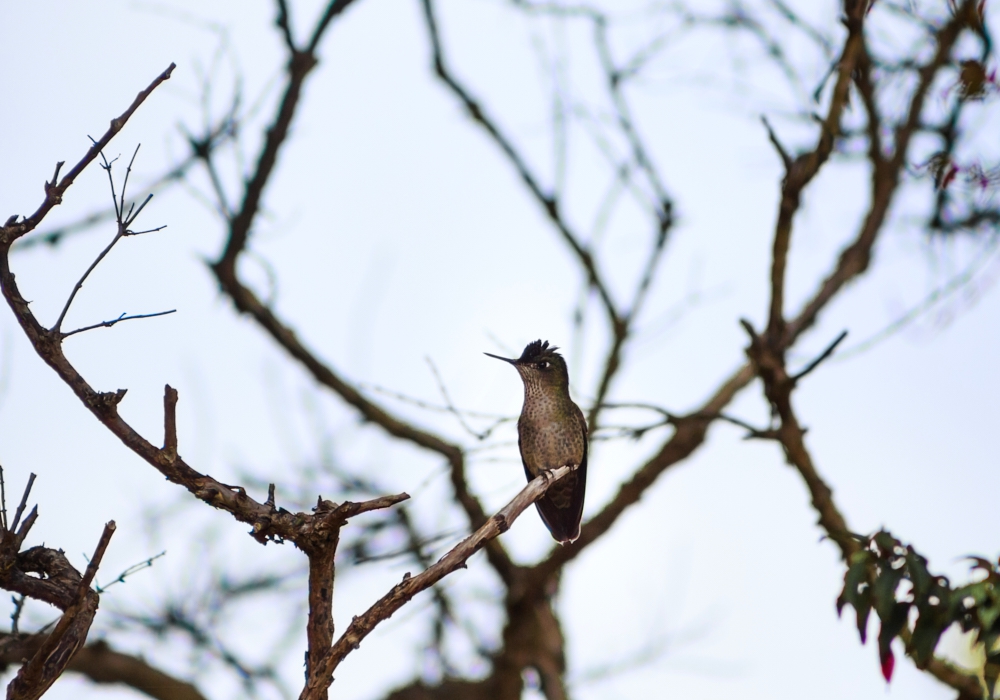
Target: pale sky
(397, 233)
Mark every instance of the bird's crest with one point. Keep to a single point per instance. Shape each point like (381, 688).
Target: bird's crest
(538, 350)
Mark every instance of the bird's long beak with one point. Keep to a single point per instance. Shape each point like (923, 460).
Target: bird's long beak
(505, 359)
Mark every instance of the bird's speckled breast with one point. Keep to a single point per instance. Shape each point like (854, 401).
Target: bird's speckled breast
(551, 432)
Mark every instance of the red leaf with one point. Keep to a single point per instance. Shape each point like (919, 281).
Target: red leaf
(888, 663)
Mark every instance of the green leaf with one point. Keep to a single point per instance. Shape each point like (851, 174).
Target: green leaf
(916, 566)
(989, 613)
(891, 626)
(856, 574)
(884, 592)
(862, 556)
(945, 595)
(925, 637)
(979, 592)
(992, 643)
(980, 563)
(886, 543)
(896, 622)
(862, 608)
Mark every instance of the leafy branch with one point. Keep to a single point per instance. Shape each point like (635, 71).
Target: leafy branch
(892, 579)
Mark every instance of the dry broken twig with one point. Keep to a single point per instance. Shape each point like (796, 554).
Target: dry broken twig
(46, 575)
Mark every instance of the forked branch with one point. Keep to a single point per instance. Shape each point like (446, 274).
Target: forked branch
(455, 559)
(12, 230)
(45, 574)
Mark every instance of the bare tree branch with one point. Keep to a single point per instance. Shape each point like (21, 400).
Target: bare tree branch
(46, 574)
(455, 559)
(102, 664)
(767, 352)
(247, 302)
(805, 167)
(855, 259)
(689, 434)
(12, 230)
(545, 199)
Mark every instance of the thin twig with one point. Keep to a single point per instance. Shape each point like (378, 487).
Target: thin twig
(54, 191)
(949, 288)
(79, 285)
(170, 421)
(132, 216)
(15, 615)
(823, 355)
(3, 501)
(420, 403)
(333, 8)
(786, 159)
(215, 137)
(284, 24)
(583, 254)
(120, 578)
(128, 171)
(123, 230)
(449, 406)
(95, 560)
(23, 503)
(108, 324)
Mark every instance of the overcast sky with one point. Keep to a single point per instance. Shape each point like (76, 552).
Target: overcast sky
(397, 233)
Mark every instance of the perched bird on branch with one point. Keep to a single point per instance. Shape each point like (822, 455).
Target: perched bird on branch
(552, 433)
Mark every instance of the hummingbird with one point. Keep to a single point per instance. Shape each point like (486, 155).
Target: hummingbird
(552, 433)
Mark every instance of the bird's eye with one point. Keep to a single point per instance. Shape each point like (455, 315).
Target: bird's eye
(544, 365)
